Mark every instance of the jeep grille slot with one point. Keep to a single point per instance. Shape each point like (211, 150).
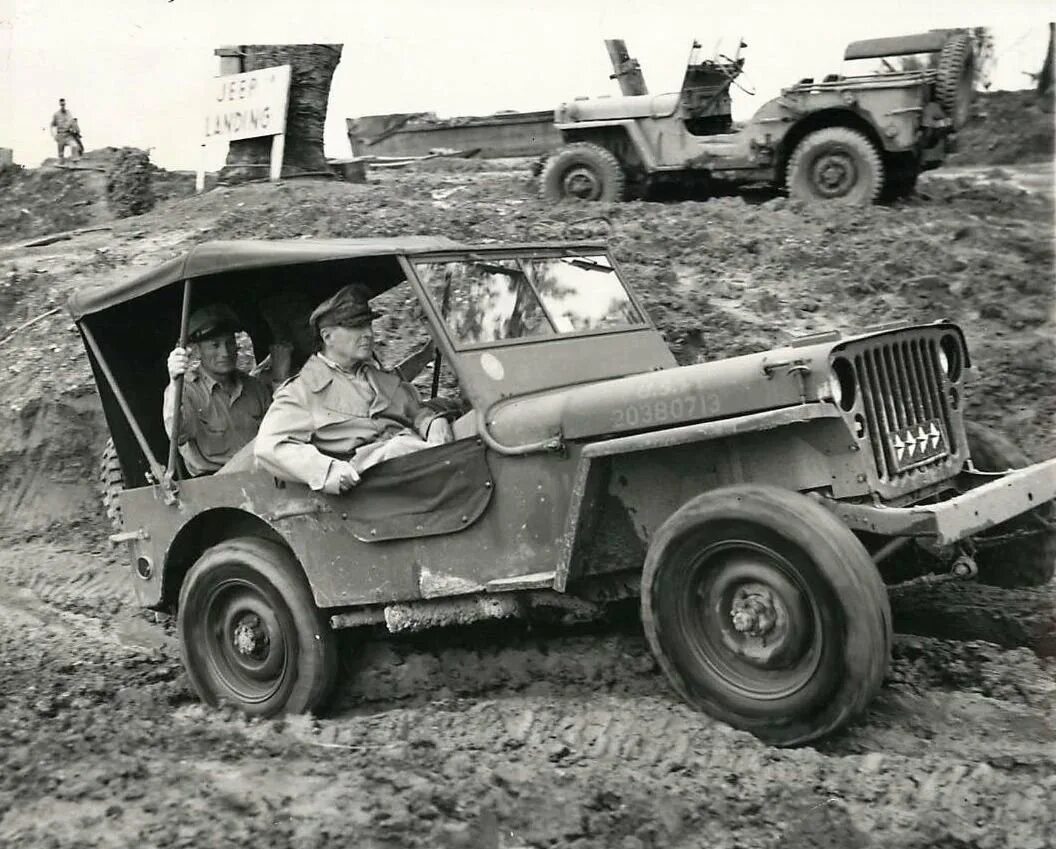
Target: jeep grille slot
(902, 390)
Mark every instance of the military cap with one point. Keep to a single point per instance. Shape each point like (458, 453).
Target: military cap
(348, 307)
(212, 320)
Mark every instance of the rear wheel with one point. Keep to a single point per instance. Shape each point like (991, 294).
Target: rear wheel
(835, 164)
(953, 87)
(583, 171)
(250, 633)
(111, 483)
(1022, 551)
(766, 612)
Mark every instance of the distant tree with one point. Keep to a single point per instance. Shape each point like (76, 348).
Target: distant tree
(1045, 87)
(312, 69)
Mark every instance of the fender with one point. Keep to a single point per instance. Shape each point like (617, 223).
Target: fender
(694, 433)
(634, 133)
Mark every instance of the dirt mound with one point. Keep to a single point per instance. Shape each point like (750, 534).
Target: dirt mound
(1006, 127)
(49, 200)
(55, 198)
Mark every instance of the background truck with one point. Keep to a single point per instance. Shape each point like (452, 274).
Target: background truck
(849, 139)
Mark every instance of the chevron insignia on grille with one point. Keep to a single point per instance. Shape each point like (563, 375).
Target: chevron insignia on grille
(918, 443)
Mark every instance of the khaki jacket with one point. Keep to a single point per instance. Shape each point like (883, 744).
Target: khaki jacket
(327, 413)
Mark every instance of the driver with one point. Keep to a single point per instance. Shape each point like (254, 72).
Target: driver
(222, 406)
(342, 414)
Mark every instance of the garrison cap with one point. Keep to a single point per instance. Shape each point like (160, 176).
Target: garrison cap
(348, 307)
(212, 320)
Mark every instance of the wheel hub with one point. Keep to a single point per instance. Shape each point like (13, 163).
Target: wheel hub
(754, 611)
(250, 638)
(582, 183)
(834, 174)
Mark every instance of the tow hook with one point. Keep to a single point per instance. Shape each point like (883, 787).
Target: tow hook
(964, 566)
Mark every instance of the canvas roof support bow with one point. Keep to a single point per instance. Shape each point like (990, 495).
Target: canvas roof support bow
(169, 481)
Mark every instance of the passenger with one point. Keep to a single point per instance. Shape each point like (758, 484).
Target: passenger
(222, 407)
(342, 414)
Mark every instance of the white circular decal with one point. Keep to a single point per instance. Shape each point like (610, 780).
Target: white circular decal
(492, 367)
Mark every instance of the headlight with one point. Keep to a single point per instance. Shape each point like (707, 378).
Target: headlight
(835, 389)
(842, 383)
(951, 358)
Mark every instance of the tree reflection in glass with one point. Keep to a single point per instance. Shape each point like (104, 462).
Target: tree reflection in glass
(511, 299)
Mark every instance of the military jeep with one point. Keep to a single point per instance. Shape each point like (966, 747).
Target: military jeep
(842, 139)
(755, 504)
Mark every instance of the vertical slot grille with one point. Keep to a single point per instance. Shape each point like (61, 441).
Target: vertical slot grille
(902, 387)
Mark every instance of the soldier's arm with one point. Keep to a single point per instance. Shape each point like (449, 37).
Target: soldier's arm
(188, 417)
(283, 446)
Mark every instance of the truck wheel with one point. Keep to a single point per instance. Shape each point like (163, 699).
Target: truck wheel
(1019, 561)
(583, 171)
(953, 86)
(250, 633)
(766, 612)
(111, 483)
(835, 164)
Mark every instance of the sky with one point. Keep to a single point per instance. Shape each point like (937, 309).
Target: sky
(136, 72)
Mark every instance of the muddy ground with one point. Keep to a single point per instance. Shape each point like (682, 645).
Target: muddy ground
(516, 737)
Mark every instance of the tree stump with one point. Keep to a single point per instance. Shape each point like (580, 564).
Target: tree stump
(312, 69)
(129, 186)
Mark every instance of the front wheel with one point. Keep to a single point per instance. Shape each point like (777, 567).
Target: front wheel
(250, 633)
(766, 612)
(835, 164)
(583, 171)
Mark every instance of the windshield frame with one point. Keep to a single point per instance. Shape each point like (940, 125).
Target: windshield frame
(485, 255)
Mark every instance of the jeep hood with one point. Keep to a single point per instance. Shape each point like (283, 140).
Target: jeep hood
(794, 374)
(658, 399)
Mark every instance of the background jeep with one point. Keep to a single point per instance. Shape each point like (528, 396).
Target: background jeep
(755, 504)
(848, 139)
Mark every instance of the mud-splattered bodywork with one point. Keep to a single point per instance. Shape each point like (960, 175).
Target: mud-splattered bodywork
(579, 444)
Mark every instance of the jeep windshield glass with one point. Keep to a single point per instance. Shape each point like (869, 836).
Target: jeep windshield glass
(527, 297)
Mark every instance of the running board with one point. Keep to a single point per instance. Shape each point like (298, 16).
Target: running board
(535, 581)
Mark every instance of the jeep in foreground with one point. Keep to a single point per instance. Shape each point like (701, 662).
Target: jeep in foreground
(755, 504)
(845, 139)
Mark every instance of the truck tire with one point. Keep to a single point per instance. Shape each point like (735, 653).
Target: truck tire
(1020, 561)
(953, 86)
(835, 164)
(111, 483)
(583, 171)
(767, 613)
(250, 633)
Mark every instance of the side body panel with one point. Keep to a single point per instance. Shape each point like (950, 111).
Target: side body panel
(517, 534)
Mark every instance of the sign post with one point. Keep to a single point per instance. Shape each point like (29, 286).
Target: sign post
(246, 106)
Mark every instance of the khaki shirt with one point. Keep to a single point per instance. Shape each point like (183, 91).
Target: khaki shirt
(327, 413)
(61, 121)
(214, 424)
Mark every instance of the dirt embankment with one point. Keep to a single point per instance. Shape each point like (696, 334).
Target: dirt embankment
(511, 737)
(1006, 128)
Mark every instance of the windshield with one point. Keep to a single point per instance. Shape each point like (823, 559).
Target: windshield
(497, 300)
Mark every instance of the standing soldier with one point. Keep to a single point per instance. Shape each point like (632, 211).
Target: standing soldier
(65, 131)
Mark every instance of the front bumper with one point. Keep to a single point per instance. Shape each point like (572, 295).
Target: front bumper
(981, 507)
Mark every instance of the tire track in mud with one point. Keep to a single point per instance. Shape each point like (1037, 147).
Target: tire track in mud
(537, 738)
